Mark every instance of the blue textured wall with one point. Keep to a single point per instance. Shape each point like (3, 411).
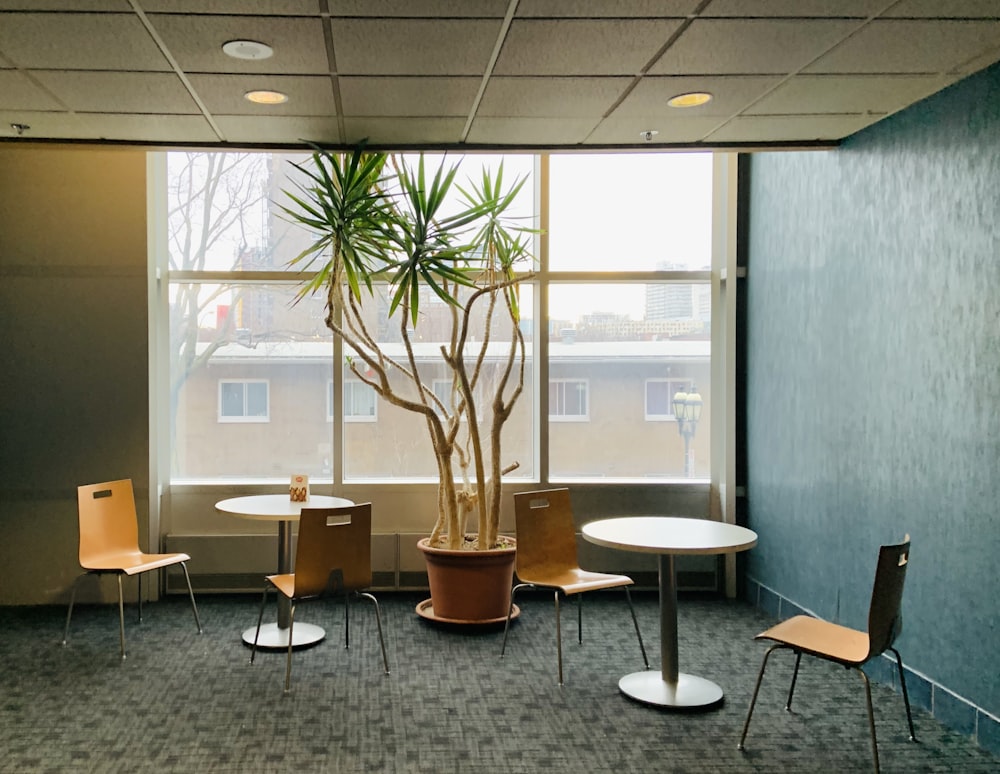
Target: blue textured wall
(873, 377)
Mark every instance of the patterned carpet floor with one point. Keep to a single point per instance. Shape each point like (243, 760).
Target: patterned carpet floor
(188, 703)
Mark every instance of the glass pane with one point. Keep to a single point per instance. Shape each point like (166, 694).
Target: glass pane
(618, 353)
(396, 445)
(274, 359)
(224, 211)
(630, 212)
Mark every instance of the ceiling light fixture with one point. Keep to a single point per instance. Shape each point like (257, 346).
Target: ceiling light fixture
(247, 49)
(266, 97)
(689, 99)
(649, 134)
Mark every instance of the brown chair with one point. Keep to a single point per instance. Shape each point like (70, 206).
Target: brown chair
(849, 647)
(547, 559)
(109, 542)
(334, 553)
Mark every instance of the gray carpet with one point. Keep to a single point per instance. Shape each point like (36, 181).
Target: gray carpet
(188, 703)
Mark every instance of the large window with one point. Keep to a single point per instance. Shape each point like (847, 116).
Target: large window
(623, 275)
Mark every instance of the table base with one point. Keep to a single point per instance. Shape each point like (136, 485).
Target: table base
(274, 637)
(691, 692)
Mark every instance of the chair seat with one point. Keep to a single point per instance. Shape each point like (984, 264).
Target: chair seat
(575, 581)
(821, 638)
(284, 583)
(132, 562)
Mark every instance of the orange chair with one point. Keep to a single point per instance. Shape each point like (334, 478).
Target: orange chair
(334, 553)
(848, 647)
(109, 542)
(547, 559)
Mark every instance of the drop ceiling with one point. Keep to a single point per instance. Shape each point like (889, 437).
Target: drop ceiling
(524, 74)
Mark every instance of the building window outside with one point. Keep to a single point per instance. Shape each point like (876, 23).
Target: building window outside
(360, 401)
(569, 400)
(243, 401)
(660, 398)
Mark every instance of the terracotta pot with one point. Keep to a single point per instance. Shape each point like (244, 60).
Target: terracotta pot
(469, 587)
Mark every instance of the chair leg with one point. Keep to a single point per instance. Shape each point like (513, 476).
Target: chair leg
(795, 676)
(121, 615)
(288, 662)
(871, 718)
(378, 623)
(635, 622)
(559, 637)
(579, 618)
(260, 618)
(347, 620)
(753, 699)
(906, 697)
(510, 611)
(194, 607)
(72, 599)
(139, 581)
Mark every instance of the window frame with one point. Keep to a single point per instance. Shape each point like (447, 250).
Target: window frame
(583, 417)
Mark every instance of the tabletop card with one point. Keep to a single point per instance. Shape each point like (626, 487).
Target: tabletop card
(299, 488)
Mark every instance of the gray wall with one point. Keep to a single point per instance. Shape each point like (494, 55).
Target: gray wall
(873, 384)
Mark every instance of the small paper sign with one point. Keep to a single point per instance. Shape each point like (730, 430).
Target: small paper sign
(299, 489)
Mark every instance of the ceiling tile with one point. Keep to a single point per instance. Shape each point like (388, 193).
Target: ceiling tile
(551, 97)
(308, 95)
(846, 94)
(148, 128)
(21, 93)
(413, 46)
(234, 7)
(121, 6)
(753, 129)
(108, 92)
(280, 129)
(953, 9)
(84, 41)
(41, 125)
(621, 9)
(765, 46)
(537, 132)
(627, 130)
(457, 9)
(586, 47)
(388, 96)
(730, 94)
(904, 46)
(196, 43)
(409, 131)
(842, 9)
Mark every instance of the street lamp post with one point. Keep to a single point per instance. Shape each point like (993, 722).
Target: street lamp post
(687, 411)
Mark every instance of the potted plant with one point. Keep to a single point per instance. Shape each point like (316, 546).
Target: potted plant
(383, 221)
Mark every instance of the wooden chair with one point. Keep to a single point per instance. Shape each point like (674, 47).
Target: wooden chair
(849, 647)
(547, 559)
(109, 543)
(334, 553)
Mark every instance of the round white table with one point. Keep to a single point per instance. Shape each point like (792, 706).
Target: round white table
(668, 537)
(280, 508)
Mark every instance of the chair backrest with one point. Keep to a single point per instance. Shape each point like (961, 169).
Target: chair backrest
(334, 539)
(546, 535)
(108, 524)
(884, 614)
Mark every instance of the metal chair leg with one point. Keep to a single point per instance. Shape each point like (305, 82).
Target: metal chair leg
(139, 581)
(753, 699)
(795, 676)
(288, 662)
(72, 599)
(871, 718)
(121, 615)
(559, 637)
(579, 618)
(906, 697)
(510, 611)
(378, 623)
(347, 620)
(260, 618)
(635, 622)
(194, 607)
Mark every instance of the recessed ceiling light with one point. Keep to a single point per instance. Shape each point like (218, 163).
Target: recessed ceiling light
(266, 97)
(247, 49)
(690, 99)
